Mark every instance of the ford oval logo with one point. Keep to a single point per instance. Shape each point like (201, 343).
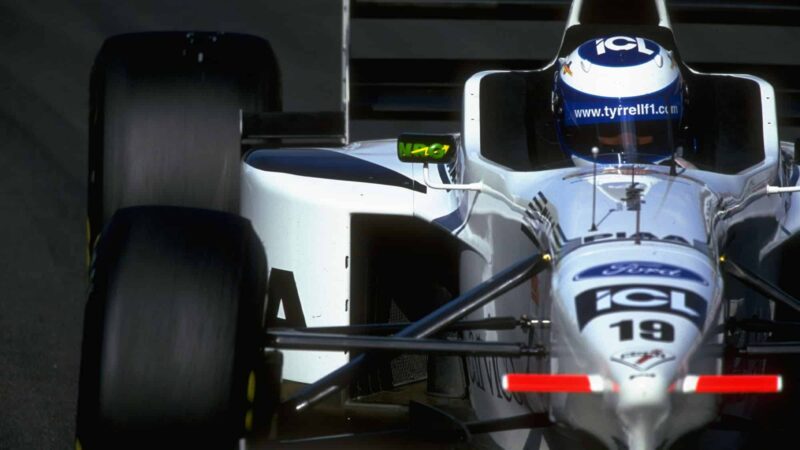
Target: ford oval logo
(640, 269)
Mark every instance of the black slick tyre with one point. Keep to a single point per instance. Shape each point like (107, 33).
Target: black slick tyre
(164, 125)
(172, 331)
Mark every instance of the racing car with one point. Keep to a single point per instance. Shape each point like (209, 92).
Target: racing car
(598, 259)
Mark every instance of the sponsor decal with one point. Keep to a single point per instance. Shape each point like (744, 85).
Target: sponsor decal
(432, 148)
(486, 375)
(596, 302)
(566, 68)
(616, 51)
(642, 361)
(622, 44)
(583, 109)
(541, 217)
(643, 235)
(284, 308)
(588, 112)
(409, 149)
(538, 227)
(639, 268)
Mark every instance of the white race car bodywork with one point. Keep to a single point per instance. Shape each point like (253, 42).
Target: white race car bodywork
(634, 312)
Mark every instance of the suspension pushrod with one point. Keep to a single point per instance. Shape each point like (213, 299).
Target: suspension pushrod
(760, 325)
(759, 284)
(532, 420)
(773, 348)
(438, 320)
(493, 323)
(292, 340)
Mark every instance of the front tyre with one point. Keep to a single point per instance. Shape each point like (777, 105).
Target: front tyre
(164, 124)
(171, 331)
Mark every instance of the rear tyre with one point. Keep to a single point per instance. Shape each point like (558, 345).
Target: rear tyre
(164, 119)
(172, 330)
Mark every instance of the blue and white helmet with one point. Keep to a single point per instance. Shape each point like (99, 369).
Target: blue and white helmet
(622, 95)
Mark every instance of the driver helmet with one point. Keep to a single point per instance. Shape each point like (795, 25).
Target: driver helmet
(622, 96)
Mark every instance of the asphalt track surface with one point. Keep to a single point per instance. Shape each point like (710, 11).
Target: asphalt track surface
(46, 51)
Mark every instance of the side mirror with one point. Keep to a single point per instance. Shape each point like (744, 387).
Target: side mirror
(427, 148)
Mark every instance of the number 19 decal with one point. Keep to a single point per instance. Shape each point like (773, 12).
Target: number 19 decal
(651, 330)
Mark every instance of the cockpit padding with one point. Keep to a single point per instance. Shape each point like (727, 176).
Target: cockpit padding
(619, 12)
(516, 122)
(725, 121)
(503, 112)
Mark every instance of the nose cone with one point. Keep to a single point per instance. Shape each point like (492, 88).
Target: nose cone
(633, 313)
(636, 309)
(643, 405)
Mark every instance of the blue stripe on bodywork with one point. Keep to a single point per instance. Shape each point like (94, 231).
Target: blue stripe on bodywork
(451, 221)
(331, 165)
(454, 221)
(443, 174)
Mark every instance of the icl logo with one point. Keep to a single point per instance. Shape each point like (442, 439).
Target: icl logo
(643, 297)
(622, 44)
(614, 299)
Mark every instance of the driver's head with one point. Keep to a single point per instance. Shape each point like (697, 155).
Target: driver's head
(621, 94)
